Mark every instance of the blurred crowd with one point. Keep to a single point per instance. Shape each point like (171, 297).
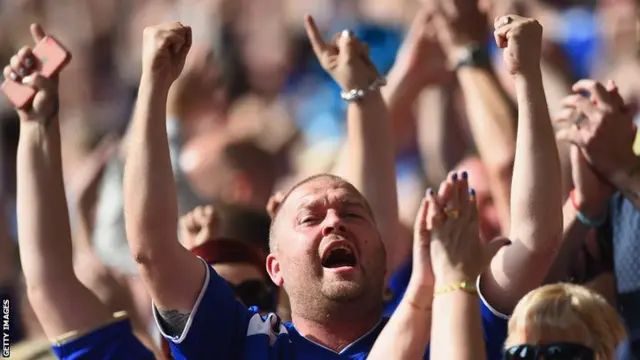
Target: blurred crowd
(254, 112)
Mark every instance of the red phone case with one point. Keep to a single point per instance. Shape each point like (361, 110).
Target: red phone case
(51, 56)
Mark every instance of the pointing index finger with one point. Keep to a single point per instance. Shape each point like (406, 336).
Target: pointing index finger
(317, 42)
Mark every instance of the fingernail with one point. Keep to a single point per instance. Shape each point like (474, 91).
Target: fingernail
(472, 192)
(465, 176)
(13, 76)
(346, 33)
(28, 62)
(454, 177)
(430, 191)
(22, 70)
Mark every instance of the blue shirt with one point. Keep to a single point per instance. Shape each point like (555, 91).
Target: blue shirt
(112, 341)
(221, 327)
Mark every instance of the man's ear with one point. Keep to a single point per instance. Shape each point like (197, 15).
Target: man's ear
(273, 268)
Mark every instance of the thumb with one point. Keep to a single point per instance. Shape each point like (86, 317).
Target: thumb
(492, 248)
(348, 45)
(37, 32)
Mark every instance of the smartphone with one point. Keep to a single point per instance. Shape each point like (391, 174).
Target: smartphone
(51, 57)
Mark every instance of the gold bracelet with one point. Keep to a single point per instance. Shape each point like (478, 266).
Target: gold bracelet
(466, 286)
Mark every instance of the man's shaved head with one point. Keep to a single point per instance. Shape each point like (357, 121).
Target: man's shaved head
(310, 179)
(316, 220)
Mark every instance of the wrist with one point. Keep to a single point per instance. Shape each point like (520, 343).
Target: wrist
(592, 218)
(155, 83)
(527, 76)
(593, 208)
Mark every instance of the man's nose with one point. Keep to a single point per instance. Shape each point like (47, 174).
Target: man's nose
(333, 224)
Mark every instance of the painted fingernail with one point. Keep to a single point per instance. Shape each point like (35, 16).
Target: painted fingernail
(430, 191)
(454, 177)
(28, 62)
(472, 192)
(13, 76)
(346, 33)
(465, 176)
(22, 70)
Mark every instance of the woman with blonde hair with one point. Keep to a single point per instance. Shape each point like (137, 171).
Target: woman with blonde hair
(563, 321)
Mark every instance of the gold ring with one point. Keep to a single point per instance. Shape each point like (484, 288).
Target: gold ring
(453, 214)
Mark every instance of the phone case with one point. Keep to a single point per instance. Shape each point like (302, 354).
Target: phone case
(51, 58)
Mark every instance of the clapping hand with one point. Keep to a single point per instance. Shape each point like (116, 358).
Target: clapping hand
(449, 229)
(603, 128)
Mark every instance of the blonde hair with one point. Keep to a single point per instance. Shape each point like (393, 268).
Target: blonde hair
(568, 306)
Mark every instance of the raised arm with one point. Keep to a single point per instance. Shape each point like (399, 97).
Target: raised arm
(368, 161)
(61, 303)
(536, 199)
(583, 211)
(462, 32)
(172, 275)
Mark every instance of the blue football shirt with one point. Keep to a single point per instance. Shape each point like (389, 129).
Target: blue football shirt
(220, 327)
(110, 342)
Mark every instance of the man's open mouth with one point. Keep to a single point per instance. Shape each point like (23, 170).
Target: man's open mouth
(339, 256)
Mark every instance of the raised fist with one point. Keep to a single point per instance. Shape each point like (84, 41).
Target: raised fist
(22, 68)
(198, 226)
(164, 50)
(521, 41)
(346, 59)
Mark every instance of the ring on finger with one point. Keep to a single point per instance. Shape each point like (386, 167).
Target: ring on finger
(452, 213)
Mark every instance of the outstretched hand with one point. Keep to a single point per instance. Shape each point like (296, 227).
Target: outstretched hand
(451, 230)
(345, 58)
(23, 68)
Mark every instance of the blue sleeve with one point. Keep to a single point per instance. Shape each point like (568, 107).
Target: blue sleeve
(495, 328)
(216, 326)
(397, 285)
(114, 341)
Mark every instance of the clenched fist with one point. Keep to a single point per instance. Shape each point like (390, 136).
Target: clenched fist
(164, 50)
(198, 226)
(346, 59)
(521, 41)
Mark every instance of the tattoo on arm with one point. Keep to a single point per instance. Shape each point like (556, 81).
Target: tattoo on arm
(173, 321)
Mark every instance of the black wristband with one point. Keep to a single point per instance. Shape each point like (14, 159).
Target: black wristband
(474, 56)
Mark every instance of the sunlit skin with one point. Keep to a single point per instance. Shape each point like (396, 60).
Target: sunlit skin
(318, 214)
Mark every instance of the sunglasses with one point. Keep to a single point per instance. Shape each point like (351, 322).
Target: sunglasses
(555, 351)
(255, 293)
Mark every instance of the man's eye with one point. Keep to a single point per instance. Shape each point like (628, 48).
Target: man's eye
(352, 215)
(308, 219)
